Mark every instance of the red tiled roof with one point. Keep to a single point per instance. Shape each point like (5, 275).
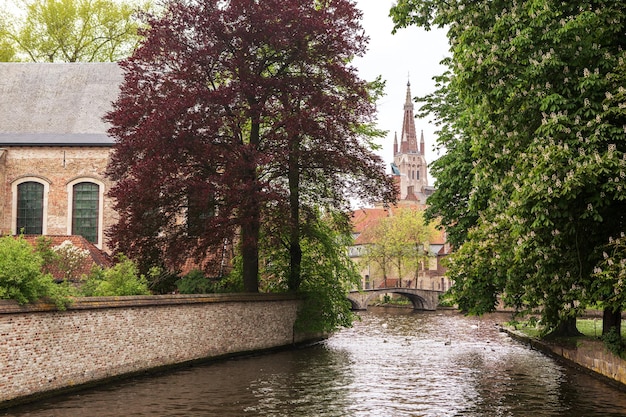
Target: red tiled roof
(94, 256)
(367, 218)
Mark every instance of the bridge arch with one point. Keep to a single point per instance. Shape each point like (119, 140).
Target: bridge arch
(421, 299)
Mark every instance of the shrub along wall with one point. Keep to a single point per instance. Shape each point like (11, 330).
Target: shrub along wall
(43, 350)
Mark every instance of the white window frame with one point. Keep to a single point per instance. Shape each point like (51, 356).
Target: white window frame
(46, 190)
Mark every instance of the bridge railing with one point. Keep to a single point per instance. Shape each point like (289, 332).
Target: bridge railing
(418, 284)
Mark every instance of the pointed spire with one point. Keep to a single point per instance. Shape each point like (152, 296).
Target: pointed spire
(395, 143)
(422, 144)
(408, 101)
(409, 138)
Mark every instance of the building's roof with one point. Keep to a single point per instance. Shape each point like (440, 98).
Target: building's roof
(55, 139)
(94, 256)
(365, 219)
(57, 98)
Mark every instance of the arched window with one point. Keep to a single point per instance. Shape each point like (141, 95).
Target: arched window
(30, 208)
(86, 210)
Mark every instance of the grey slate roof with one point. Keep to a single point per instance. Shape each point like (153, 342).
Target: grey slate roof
(55, 139)
(56, 104)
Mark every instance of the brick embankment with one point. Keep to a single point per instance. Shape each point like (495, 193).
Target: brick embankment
(44, 351)
(588, 355)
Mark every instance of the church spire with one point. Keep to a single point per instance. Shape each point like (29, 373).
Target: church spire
(408, 137)
(395, 143)
(422, 144)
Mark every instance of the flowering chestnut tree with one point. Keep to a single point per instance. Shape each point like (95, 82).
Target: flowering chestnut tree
(237, 113)
(537, 127)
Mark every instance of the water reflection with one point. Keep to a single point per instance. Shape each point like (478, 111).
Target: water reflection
(392, 363)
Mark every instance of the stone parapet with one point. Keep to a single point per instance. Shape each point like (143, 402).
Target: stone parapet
(44, 351)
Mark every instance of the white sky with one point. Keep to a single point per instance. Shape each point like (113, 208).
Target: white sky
(412, 54)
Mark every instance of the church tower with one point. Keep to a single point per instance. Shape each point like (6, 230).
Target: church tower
(409, 162)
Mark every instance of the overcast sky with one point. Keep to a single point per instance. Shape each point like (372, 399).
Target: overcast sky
(412, 54)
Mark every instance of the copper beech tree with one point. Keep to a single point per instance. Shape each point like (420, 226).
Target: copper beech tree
(235, 113)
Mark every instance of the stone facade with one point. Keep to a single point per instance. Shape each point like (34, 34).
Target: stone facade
(44, 350)
(52, 133)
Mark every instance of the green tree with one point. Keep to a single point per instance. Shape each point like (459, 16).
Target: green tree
(399, 243)
(70, 31)
(379, 250)
(414, 235)
(537, 92)
(21, 277)
(327, 272)
(254, 109)
(121, 279)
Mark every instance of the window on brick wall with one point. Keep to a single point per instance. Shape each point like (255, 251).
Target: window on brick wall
(30, 208)
(85, 210)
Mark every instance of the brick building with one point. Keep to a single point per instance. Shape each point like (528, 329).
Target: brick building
(54, 148)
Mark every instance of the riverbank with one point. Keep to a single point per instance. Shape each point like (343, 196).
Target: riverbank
(44, 351)
(583, 353)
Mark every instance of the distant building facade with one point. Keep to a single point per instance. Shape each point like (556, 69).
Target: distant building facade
(54, 148)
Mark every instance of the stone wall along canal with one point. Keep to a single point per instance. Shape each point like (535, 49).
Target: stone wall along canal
(392, 363)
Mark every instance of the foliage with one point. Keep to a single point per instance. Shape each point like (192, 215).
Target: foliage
(161, 281)
(121, 279)
(21, 278)
(609, 275)
(399, 243)
(613, 342)
(328, 273)
(195, 282)
(534, 100)
(237, 113)
(70, 31)
(66, 258)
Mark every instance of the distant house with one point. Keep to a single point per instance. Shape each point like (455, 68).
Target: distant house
(54, 148)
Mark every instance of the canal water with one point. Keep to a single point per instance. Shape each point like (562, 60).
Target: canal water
(392, 363)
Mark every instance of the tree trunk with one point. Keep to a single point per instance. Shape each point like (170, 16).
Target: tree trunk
(611, 320)
(250, 255)
(251, 215)
(566, 328)
(295, 250)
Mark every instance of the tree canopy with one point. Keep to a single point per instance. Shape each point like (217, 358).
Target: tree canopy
(70, 31)
(398, 244)
(237, 117)
(533, 116)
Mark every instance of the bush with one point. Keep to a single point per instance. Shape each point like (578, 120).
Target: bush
(121, 279)
(21, 278)
(613, 342)
(194, 283)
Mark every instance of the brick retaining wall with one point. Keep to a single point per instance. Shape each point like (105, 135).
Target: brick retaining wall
(44, 350)
(588, 355)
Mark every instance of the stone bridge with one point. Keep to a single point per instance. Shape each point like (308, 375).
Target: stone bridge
(421, 299)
